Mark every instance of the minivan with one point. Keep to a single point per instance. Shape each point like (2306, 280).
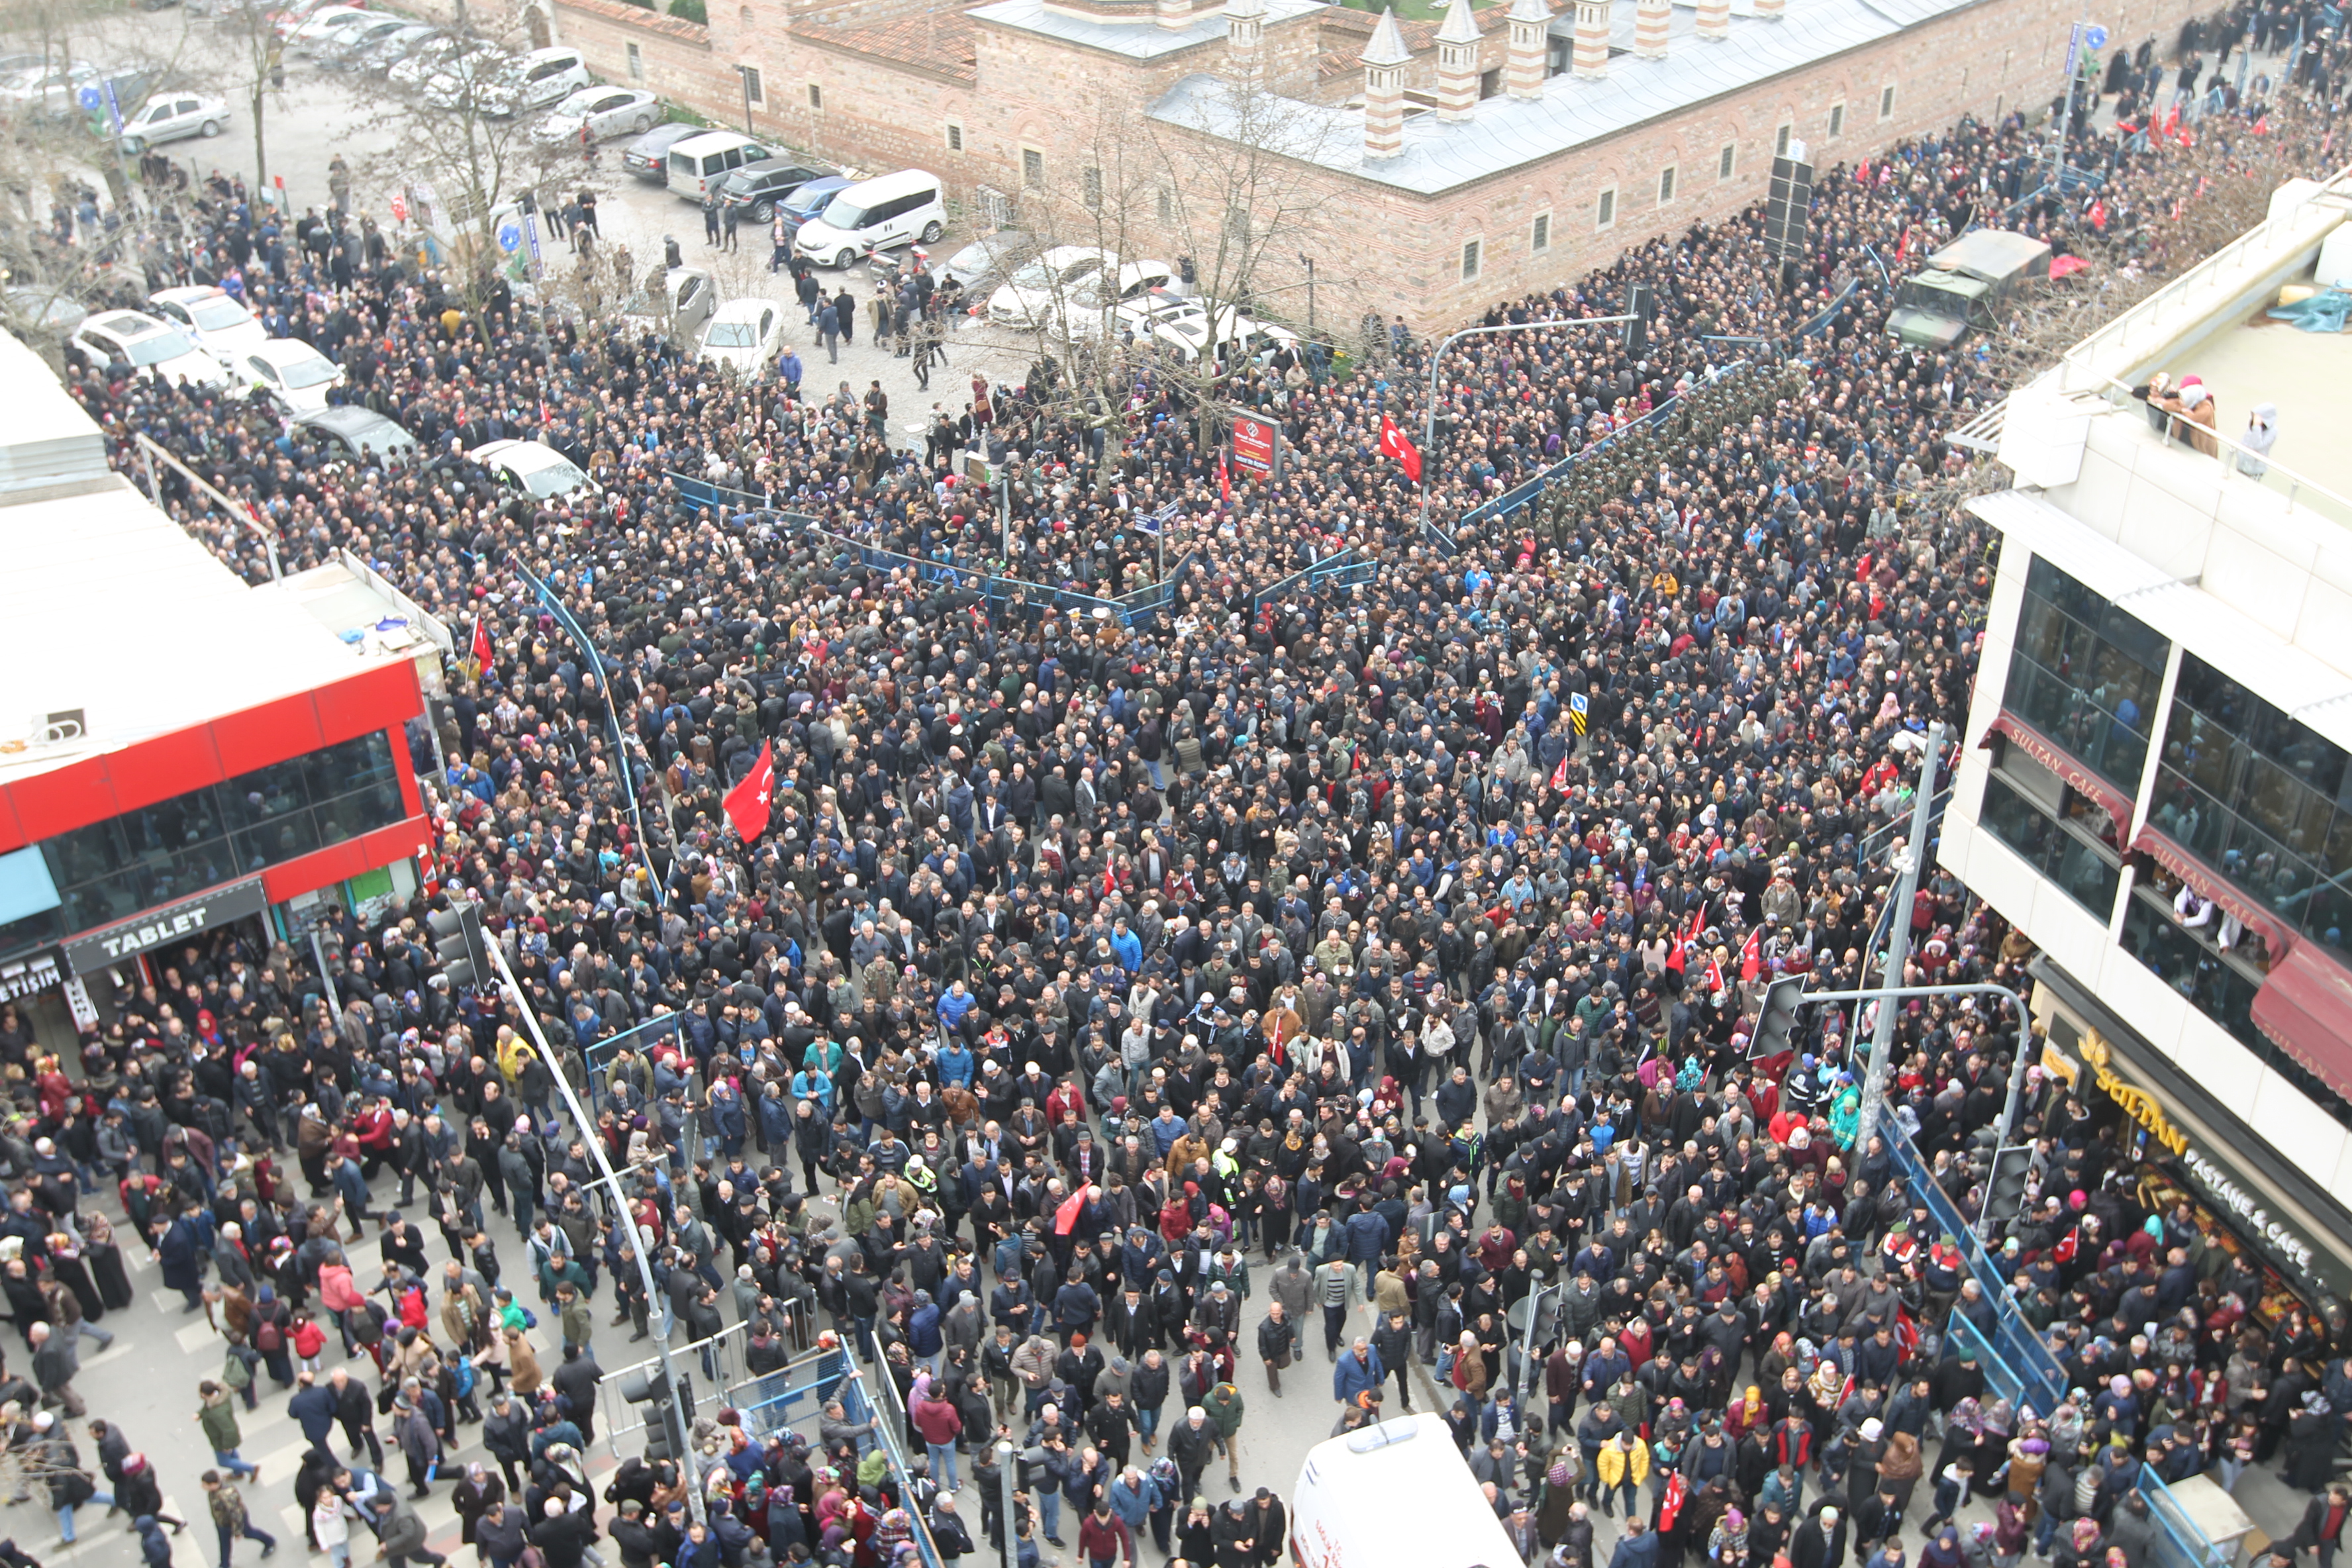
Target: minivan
(698, 163)
(873, 214)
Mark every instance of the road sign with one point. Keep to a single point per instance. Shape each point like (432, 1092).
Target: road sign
(88, 98)
(510, 237)
(2094, 36)
(2073, 48)
(113, 109)
(530, 237)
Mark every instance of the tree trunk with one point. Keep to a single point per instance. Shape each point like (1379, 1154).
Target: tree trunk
(261, 140)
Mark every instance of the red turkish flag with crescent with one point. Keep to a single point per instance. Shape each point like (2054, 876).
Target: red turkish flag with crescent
(1393, 444)
(747, 803)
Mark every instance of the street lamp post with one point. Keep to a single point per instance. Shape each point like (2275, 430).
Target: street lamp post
(1428, 420)
(1898, 935)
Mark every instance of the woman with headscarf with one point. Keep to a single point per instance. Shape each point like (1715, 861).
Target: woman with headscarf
(2262, 433)
(1747, 1414)
(1992, 1447)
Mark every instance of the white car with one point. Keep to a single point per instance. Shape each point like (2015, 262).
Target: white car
(293, 373)
(743, 335)
(171, 116)
(605, 110)
(153, 349)
(322, 27)
(535, 80)
(212, 319)
(1094, 307)
(1032, 299)
(1183, 329)
(55, 90)
(431, 57)
(536, 470)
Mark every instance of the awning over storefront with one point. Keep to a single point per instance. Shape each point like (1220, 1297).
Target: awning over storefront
(2276, 934)
(2042, 750)
(2305, 1005)
(214, 907)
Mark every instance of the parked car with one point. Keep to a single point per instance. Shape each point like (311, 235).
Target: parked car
(987, 261)
(744, 335)
(212, 320)
(1183, 329)
(1031, 298)
(538, 471)
(357, 433)
(354, 42)
(674, 303)
(295, 375)
(756, 188)
(535, 80)
(151, 348)
(285, 19)
(809, 200)
(420, 64)
(51, 89)
(171, 117)
(873, 214)
(648, 157)
(469, 82)
(33, 309)
(604, 111)
(389, 49)
(323, 26)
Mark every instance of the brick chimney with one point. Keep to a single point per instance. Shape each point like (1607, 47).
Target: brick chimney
(1772, 10)
(1385, 58)
(1650, 20)
(1590, 60)
(1244, 30)
(1457, 63)
(1530, 58)
(1715, 20)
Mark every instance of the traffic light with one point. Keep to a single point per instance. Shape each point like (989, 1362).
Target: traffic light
(2005, 1187)
(458, 942)
(1776, 1017)
(651, 1389)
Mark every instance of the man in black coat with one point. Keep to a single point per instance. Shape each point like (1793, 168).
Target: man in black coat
(356, 1411)
(575, 1384)
(1820, 1542)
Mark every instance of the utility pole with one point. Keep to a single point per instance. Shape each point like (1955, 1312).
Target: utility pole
(1008, 1472)
(610, 1180)
(1899, 938)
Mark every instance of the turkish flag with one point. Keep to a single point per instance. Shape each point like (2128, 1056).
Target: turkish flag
(747, 803)
(1225, 481)
(481, 648)
(1559, 777)
(1751, 954)
(1394, 445)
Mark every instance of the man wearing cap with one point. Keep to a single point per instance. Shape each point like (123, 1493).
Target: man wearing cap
(400, 1533)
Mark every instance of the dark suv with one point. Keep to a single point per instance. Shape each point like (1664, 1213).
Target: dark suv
(648, 157)
(756, 188)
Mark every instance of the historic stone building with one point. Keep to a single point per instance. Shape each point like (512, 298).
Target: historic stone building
(1427, 168)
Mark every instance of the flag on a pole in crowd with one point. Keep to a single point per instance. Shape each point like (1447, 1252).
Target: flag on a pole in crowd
(481, 645)
(1394, 443)
(1751, 956)
(1225, 481)
(1560, 776)
(747, 803)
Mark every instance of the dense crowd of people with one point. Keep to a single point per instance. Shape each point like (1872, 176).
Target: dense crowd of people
(1102, 1007)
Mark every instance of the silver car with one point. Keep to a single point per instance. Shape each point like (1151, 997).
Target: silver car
(171, 116)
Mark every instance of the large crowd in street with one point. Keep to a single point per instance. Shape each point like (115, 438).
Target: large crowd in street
(1385, 953)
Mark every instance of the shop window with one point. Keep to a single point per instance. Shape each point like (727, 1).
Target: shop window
(113, 870)
(2087, 674)
(2058, 838)
(2263, 800)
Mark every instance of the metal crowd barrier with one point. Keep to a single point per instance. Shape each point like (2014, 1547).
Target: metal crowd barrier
(1525, 493)
(620, 1417)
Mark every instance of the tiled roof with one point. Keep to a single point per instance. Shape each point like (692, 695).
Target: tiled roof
(639, 16)
(941, 42)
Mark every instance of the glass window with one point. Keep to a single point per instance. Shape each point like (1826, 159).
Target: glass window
(2087, 674)
(2262, 799)
(113, 870)
(2067, 853)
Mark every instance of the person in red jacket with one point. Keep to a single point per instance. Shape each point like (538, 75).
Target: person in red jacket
(1100, 1534)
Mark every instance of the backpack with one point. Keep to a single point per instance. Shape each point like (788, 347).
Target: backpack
(267, 1337)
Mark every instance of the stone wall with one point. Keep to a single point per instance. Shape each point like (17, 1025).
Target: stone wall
(876, 85)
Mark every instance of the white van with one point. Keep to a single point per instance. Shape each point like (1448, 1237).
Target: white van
(698, 163)
(1397, 1495)
(873, 214)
